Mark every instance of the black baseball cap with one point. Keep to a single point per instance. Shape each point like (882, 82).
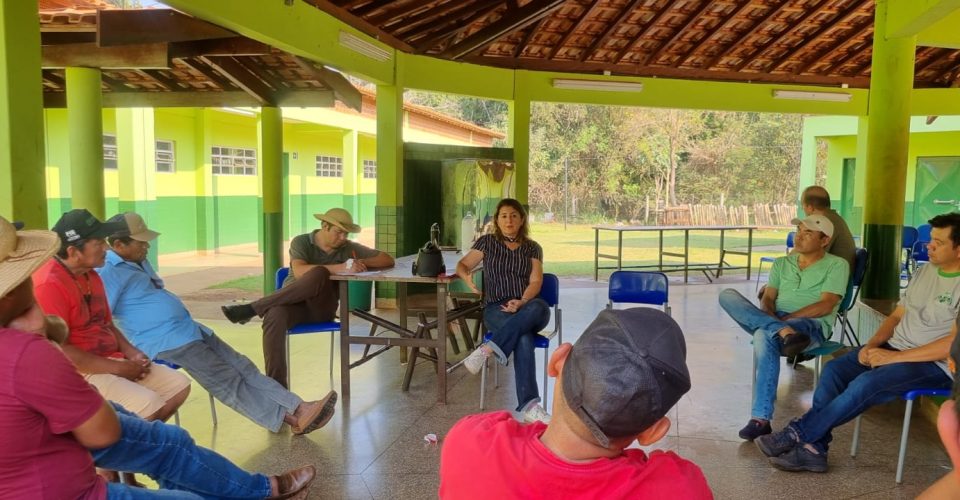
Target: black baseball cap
(626, 371)
(80, 225)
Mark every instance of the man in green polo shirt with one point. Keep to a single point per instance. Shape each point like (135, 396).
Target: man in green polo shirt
(796, 312)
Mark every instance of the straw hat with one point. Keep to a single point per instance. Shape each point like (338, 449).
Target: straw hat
(21, 253)
(340, 218)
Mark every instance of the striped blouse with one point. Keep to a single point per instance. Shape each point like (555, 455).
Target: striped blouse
(506, 273)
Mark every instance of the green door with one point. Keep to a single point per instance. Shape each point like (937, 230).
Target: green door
(937, 188)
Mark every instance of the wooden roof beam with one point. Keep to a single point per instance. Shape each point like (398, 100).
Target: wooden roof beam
(587, 12)
(376, 5)
(818, 6)
(735, 44)
(165, 81)
(151, 55)
(342, 88)
(946, 71)
(451, 11)
(390, 16)
(527, 36)
(852, 52)
(207, 72)
(855, 34)
(512, 20)
(652, 58)
(192, 99)
(694, 47)
(459, 25)
(139, 26)
(344, 15)
(239, 75)
(933, 61)
(600, 40)
(235, 46)
(822, 30)
(65, 37)
(866, 62)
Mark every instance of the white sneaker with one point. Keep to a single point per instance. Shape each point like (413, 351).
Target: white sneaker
(536, 413)
(475, 360)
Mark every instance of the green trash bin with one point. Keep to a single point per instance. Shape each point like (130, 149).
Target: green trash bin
(360, 293)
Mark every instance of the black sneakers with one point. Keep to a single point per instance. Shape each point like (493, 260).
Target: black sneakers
(754, 429)
(240, 313)
(778, 443)
(800, 459)
(794, 344)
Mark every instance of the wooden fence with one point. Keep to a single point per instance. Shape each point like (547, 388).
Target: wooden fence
(718, 215)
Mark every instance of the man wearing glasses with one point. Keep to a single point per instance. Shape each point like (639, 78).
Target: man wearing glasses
(158, 322)
(308, 294)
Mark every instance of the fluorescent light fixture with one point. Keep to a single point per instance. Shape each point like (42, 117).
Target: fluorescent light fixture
(363, 47)
(602, 85)
(238, 111)
(803, 95)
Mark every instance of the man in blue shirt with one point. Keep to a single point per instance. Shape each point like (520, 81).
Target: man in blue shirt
(158, 323)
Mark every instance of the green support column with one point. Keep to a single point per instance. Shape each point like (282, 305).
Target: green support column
(888, 137)
(389, 210)
(137, 168)
(518, 138)
(22, 184)
(270, 137)
(205, 187)
(85, 122)
(352, 171)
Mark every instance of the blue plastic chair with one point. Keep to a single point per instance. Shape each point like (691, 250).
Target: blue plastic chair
(909, 396)
(907, 242)
(550, 293)
(790, 236)
(828, 347)
(176, 415)
(639, 287)
(330, 327)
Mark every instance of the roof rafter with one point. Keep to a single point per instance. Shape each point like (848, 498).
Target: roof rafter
(854, 34)
(600, 40)
(459, 26)
(238, 74)
(341, 14)
(431, 14)
(822, 30)
(587, 12)
(138, 26)
(735, 44)
(694, 47)
(527, 36)
(816, 7)
(342, 88)
(652, 58)
(512, 20)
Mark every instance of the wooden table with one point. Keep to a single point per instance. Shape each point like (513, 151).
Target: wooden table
(402, 274)
(686, 266)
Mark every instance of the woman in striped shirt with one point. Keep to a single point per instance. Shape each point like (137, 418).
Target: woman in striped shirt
(513, 312)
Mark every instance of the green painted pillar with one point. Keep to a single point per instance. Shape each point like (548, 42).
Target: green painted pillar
(389, 210)
(888, 137)
(22, 184)
(352, 173)
(205, 183)
(270, 138)
(85, 123)
(518, 138)
(137, 168)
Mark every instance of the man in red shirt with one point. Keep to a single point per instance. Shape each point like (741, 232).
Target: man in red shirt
(614, 387)
(51, 420)
(67, 286)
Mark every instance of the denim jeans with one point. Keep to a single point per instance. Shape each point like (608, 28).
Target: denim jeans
(766, 345)
(848, 388)
(233, 379)
(514, 333)
(169, 456)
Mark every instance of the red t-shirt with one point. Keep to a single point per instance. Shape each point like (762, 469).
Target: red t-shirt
(42, 399)
(82, 302)
(492, 455)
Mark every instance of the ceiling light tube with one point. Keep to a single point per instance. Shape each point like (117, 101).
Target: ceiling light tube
(602, 85)
(803, 95)
(363, 47)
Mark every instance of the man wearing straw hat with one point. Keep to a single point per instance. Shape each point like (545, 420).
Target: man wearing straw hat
(55, 427)
(308, 294)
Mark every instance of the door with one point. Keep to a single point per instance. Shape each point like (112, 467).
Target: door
(937, 188)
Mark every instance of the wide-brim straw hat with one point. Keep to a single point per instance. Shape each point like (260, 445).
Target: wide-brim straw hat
(21, 253)
(340, 218)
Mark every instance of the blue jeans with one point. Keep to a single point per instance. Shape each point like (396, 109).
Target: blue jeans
(169, 456)
(848, 388)
(233, 379)
(766, 345)
(514, 333)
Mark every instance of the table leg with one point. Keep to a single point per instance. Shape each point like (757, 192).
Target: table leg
(619, 250)
(402, 305)
(749, 251)
(596, 254)
(344, 340)
(686, 254)
(441, 343)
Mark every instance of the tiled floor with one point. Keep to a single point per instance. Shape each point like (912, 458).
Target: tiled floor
(374, 447)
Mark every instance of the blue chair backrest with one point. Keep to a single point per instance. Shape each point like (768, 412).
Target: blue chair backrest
(910, 236)
(550, 289)
(639, 287)
(856, 279)
(790, 236)
(923, 233)
(282, 274)
(920, 251)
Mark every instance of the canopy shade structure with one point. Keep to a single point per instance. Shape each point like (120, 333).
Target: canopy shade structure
(163, 58)
(818, 42)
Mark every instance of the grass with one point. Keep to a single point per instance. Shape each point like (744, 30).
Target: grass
(569, 253)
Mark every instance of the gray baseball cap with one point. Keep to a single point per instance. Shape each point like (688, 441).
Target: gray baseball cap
(626, 371)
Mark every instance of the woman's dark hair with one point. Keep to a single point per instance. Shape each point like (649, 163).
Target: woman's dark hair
(951, 220)
(514, 204)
